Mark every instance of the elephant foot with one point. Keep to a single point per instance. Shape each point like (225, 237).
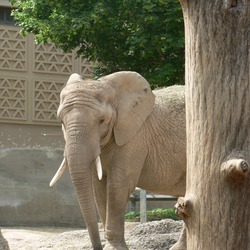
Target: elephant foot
(115, 246)
(181, 244)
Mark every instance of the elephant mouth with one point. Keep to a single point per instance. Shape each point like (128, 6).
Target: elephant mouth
(63, 166)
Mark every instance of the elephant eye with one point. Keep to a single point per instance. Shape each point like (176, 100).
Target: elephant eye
(101, 121)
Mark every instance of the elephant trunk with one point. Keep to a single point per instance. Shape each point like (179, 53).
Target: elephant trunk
(80, 167)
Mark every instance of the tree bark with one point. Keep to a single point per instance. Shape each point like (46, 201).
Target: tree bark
(216, 207)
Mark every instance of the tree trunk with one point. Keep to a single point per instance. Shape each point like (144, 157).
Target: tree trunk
(216, 207)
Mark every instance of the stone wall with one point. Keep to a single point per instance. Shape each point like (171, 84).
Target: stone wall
(31, 142)
(28, 161)
(32, 76)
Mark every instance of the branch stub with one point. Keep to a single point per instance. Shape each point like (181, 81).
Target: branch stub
(235, 169)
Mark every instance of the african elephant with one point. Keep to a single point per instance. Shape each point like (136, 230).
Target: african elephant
(120, 135)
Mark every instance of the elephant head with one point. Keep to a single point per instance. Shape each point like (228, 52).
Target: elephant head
(93, 112)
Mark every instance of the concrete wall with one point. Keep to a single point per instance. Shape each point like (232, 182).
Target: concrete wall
(28, 161)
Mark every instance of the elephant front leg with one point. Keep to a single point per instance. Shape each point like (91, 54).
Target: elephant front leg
(100, 192)
(118, 196)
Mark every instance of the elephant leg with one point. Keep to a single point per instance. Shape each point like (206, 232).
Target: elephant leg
(181, 244)
(120, 186)
(122, 179)
(100, 192)
(118, 197)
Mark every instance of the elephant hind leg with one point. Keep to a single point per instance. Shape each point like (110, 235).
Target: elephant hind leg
(113, 246)
(181, 244)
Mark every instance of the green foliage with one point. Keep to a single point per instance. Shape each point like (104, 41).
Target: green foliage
(154, 214)
(159, 214)
(141, 35)
(132, 216)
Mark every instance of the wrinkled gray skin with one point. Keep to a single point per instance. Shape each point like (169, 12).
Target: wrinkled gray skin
(140, 137)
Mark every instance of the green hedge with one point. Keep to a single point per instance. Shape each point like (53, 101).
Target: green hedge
(153, 215)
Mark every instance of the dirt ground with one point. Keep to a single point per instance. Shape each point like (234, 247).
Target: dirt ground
(156, 235)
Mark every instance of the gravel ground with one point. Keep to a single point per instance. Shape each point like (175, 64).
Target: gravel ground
(157, 235)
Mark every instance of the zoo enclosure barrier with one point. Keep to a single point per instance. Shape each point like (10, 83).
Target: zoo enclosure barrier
(142, 196)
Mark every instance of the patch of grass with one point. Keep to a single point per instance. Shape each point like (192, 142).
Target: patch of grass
(152, 215)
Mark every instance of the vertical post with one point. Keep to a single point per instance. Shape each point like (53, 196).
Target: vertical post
(143, 206)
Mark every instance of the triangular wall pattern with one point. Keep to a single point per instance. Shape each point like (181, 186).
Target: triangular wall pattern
(32, 76)
(13, 98)
(46, 100)
(50, 60)
(13, 50)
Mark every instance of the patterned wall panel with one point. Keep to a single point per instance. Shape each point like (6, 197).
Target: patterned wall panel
(32, 76)
(13, 47)
(13, 98)
(48, 59)
(87, 68)
(46, 100)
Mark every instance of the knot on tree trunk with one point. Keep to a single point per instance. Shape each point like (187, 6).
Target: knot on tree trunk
(183, 207)
(235, 170)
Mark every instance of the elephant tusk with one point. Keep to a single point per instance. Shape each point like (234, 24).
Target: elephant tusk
(59, 173)
(98, 167)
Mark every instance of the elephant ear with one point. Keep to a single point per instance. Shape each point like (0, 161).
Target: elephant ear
(134, 102)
